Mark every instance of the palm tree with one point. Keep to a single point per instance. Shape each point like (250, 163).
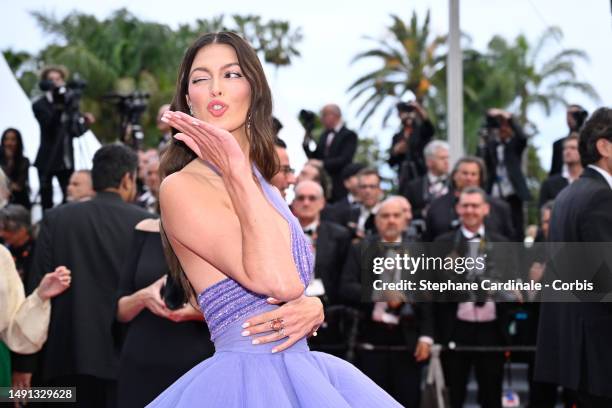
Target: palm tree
(408, 62)
(122, 54)
(539, 82)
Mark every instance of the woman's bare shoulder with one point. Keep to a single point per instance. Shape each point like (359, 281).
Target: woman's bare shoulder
(194, 183)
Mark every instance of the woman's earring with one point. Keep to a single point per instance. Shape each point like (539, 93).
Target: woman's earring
(249, 122)
(190, 110)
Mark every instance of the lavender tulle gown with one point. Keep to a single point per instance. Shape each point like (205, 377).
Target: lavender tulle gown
(240, 374)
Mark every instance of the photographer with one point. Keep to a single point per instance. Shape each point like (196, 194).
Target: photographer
(57, 113)
(407, 146)
(575, 117)
(501, 147)
(335, 148)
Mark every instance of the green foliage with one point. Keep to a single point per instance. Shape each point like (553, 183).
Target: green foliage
(123, 54)
(408, 59)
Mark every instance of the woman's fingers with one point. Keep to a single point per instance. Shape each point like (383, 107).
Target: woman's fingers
(188, 140)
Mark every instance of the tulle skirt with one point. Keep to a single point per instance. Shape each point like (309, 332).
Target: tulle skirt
(240, 374)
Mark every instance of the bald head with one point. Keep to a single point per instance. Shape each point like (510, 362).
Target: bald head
(331, 116)
(308, 202)
(309, 186)
(391, 218)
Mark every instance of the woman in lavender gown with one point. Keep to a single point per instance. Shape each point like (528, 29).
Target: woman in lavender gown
(232, 241)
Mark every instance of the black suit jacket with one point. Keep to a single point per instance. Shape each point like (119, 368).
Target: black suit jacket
(416, 144)
(332, 246)
(352, 291)
(442, 217)
(551, 187)
(348, 216)
(557, 157)
(417, 193)
(55, 152)
(446, 310)
(513, 151)
(335, 159)
(91, 239)
(574, 339)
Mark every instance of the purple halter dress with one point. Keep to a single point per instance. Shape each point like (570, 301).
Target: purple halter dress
(241, 374)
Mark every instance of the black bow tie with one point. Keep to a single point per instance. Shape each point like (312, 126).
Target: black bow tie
(475, 236)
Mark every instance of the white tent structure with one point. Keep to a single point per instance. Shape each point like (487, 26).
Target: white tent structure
(16, 112)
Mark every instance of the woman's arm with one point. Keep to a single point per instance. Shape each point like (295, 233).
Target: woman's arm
(246, 245)
(131, 305)
(208, 228)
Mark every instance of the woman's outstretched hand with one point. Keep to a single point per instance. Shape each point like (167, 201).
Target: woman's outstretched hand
(208, 142)
(54, 283)
(300, 318)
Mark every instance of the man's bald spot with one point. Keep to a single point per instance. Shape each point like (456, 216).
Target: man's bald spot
(333, 108)
(309, 183)
(393, 203)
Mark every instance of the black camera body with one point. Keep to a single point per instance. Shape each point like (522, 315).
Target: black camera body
(404, 107)
(130, 107)
(580, 117)
(66, 97)
(307, 119)
(493, 121)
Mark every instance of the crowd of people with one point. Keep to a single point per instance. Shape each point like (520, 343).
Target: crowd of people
(119, 330)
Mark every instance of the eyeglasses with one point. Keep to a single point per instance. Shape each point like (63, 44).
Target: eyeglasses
(304, 197)
(287, 169)
(368, 186)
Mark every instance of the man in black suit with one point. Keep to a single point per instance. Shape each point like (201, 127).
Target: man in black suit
(422, 191)
(406, 152)
(91, 238)
(442, 216)
(389, 319)
(572, 169)
(502, 151)
(479, 320)
(330, 243)
(359, 219)
(336, 147)
(574, 339)
(575, 117)
(55, 156)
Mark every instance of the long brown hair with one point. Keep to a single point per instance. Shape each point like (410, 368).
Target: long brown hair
(260, 134)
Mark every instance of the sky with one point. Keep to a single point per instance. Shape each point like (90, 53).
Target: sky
(334, 31)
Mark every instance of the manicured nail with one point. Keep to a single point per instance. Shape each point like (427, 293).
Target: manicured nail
(195, 123)
(246, 333)
(270, 299)
(245, 325)
(274, 350)
(164, 119)
(255, 341)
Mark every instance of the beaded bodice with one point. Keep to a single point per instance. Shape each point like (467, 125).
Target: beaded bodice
(227, 301)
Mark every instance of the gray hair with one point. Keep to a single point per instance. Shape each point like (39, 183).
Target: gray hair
(432, 147)
(476, 190)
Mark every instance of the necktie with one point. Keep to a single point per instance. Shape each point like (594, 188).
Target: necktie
(328, 142)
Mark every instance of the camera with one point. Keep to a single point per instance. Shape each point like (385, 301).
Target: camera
(67, 99)
(404, 107)
(493, 121)
(307, 119)
(579, 117)
(130, 107)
